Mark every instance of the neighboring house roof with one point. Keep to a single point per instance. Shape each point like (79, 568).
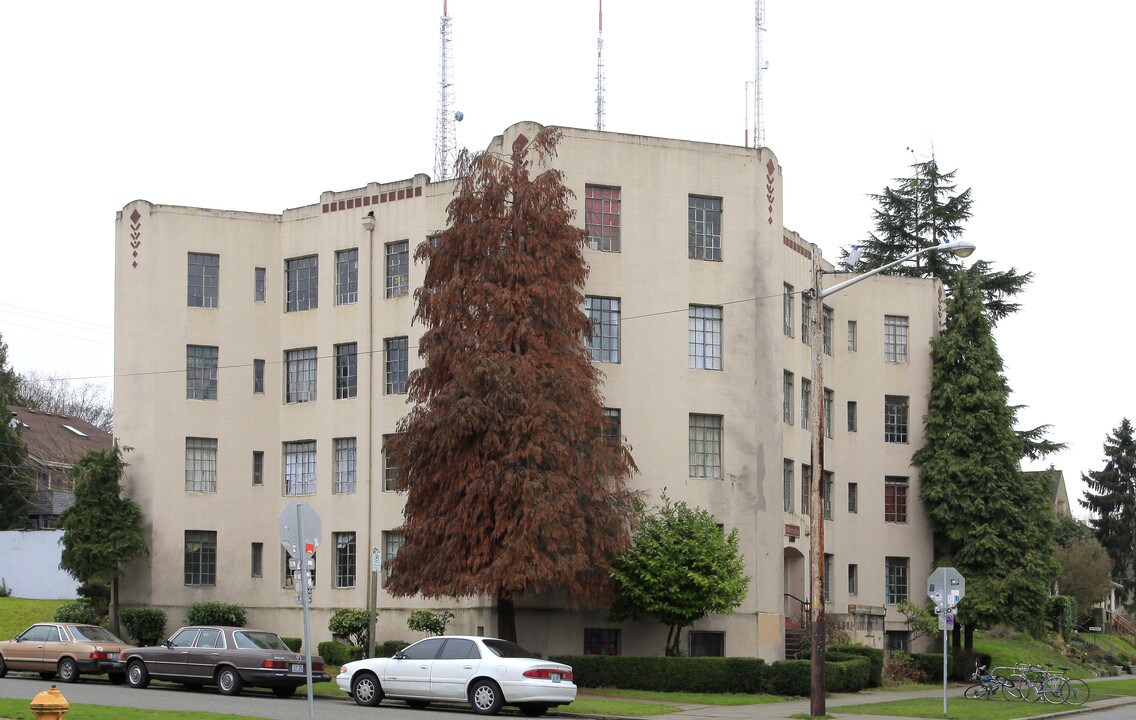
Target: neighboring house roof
(1057, 489)
(58, 440)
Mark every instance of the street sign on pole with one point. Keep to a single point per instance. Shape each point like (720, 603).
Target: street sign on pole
(299, 534)
(946, 587)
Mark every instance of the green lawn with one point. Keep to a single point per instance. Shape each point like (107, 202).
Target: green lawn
(1024, 649)
(16, 614)
(19, 710)
(957, 709)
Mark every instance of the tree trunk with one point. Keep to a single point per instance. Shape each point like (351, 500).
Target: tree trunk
(969, 642)
(956, 637)
(114, 606)
(506, 620)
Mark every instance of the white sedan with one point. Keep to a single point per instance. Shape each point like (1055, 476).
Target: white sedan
(485, 672)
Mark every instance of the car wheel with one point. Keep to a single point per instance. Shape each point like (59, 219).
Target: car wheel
(284, 692)
(485, 697)
(229, 681)
(137, 674)
(365, 689)
(534, 709)
(117, 678)
(68, 670)
(3, 668)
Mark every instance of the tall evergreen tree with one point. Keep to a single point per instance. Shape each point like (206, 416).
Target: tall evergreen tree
(991, 521)
(512, 485)
(925, 210)
(16, 483)
(1111, 498)
(102, 531)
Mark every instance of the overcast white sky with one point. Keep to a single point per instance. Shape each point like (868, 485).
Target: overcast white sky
(261, 106)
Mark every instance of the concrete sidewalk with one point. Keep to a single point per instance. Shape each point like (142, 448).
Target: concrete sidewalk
(834, 701)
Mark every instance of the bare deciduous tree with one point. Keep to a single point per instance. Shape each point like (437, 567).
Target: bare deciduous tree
(59, 394)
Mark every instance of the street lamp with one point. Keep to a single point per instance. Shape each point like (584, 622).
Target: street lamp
(961, 248)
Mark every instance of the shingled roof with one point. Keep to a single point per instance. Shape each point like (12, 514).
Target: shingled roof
(57, 440)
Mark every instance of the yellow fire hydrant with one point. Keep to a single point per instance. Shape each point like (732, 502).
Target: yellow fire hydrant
(49, 705)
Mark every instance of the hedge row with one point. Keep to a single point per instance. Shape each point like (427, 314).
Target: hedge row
(335, 654)
(850, 673)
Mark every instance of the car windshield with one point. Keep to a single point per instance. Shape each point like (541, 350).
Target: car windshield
(506, 649)
(94, 633)
(257, 640)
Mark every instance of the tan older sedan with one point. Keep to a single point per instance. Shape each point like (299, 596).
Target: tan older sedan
(66, 649)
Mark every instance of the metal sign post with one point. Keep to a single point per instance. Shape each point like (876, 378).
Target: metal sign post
(299, 534)
(946, 587)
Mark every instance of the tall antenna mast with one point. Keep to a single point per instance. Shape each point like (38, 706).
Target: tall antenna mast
(445, 136)
(759, 66)
(600, 75)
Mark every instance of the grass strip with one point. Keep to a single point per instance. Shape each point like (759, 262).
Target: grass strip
(20, 710)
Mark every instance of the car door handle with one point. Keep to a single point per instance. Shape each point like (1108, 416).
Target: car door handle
(215, 654)
(467, 667)
(423, 666)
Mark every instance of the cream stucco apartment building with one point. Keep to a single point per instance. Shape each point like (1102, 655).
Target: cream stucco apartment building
(262, 358)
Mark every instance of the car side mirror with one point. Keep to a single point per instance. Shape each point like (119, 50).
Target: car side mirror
(167, 643)
(400, 655)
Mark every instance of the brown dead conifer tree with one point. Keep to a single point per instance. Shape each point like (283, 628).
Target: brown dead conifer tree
(512, 486)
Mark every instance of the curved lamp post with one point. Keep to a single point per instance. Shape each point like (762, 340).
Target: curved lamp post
(961, 248)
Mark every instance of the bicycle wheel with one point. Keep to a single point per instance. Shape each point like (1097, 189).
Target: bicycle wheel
(1026, 688)
(1008, 688)
(1077, 692)
(974, 692)
(1054, 690)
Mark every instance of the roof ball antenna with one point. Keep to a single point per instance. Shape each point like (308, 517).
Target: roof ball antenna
(459, 115)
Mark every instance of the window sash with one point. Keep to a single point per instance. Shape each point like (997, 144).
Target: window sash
(300, 375)
(345, 559)
(300, 468)
(347, 276)
(200, 372)
(398, 269)
(895, 499)
(346, 474)
(603, 342)
(895, 338)
(705, 446)
(346, 371)
(787, 310)
(895, 419)
(704, 219)
(203, 282)
(705, 337)
(396, 353)
(200, 464)
(601, 217)
(200, 567)
(787, 397)
(392, 543)
(301, 284)
(896, 580)
(806, 402)
(787, 485)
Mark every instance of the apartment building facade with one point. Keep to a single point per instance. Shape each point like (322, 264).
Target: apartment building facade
(263, 358)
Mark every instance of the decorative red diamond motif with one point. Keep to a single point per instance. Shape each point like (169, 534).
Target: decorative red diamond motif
(134, 216)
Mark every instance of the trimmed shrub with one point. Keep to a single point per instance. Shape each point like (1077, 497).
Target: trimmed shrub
(77, 612)
(668, 674)
(428, 621)
(215, 613)
(931, 664)
(144, 625)
(790, 677)
(847, 676)
(875, 659)
(350, 624)
(294, 643)
(389, 647)
(335, 654)
(960, 666)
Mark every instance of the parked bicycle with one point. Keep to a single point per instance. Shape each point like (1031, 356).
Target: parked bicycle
(988, 686)
(1034, 682)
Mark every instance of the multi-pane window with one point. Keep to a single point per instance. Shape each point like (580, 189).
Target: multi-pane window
(200, 464)
(398, 268)
(806, 485)
(852, 420)
(827, 321)
(787, 310)
(347, 276)
(256, 560)
(300, 375)
(259, 284)
(828, 487)
(258, 376)
(895, 418)
(853, 579)
(828, 401)
(851, 336)
(704, 337)
(257, 467)
(200, 557)
(895, 499)
(390, 470)
(707, 644)
(787, 397)
(895, 338)
(200, 372)
(392, 543)
(853, 497)
(395, 350)
(787, 485)
(806, 317)
(603, 343)
(345, 468)
(601, 641)
(705, 228)
(612, 425)
(300, 467)
(601, 217)
(204, 280)
(301, 283)
(705, 446)
(806, 401)
(828, 577)
(896, 579)
(345, 559)
(346, 371)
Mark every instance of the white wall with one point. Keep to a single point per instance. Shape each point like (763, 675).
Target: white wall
(29, 565)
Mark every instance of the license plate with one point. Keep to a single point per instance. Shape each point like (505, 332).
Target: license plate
(297, 668)
(554, 677)
(112, 656)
